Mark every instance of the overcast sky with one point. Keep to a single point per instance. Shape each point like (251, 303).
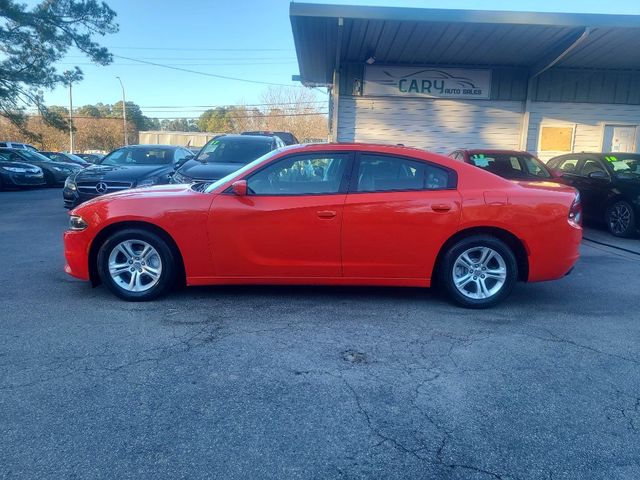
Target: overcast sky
(248, 39)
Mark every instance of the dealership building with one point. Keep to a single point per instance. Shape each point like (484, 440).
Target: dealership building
(549, 83)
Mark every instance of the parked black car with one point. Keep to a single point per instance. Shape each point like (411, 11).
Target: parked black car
(19, 174)
(126, 167)
(287, 137)
(55, 173)
(66, 157)
(609, 184)
(224, 155)
(509, 164)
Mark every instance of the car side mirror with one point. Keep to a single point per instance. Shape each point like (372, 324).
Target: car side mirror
(599, 175)
(239, 188)
(557, 173)
(182, 161)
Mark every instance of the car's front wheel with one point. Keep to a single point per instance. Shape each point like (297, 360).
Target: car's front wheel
(620, 219)
(136, 265)
(479, 271)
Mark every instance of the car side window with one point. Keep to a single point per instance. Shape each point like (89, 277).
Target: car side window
(515, 163)
(569, 165)
(383, 173)
(180, 155)
(311, 174)
(591, 166)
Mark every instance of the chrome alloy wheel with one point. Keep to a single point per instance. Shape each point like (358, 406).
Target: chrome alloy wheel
(479, 273)
(135, 265)
(619, 218)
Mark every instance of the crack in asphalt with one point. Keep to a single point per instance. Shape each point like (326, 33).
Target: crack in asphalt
(209, 333)
(558, 339)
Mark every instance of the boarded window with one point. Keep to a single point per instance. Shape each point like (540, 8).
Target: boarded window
(556, 139)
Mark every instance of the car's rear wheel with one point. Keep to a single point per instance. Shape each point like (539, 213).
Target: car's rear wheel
(479, 271)
(620, 219)
(136, 265)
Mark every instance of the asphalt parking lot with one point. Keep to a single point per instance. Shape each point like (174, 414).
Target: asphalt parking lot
(266, 382)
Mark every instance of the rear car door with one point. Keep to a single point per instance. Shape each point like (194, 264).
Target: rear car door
(398, 213)
(288, 225)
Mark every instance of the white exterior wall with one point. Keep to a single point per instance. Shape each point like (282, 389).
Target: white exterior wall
(436, 125)
(194, 139)
(445, 125)
(588, 119)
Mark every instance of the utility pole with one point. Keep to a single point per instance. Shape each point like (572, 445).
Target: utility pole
(124, 113)
(69, 76)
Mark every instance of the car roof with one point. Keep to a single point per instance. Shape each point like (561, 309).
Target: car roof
(257, 138)
(493, 151)
(153, 146)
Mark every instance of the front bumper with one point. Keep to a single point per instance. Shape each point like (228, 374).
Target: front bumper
(23, 179)
(76, 254)
(70, 197)
(73, 198)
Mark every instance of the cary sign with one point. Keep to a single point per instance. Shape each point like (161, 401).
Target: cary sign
(428, 82)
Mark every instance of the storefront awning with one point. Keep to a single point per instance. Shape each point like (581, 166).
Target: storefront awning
(328, 35)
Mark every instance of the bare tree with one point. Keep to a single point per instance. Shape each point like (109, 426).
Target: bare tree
(297, 110)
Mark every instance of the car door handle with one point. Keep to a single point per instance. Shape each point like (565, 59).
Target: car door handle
(440, 207)
(326, 214)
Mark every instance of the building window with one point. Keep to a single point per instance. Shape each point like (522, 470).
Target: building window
(556, 138)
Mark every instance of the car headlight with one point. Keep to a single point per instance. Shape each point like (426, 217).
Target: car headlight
(148, 182)
(70, 184)
(77, 223)
(15, 169)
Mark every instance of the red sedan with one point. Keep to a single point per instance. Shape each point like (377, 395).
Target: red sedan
(332, 214)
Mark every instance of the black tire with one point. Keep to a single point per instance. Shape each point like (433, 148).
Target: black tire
(167, 275)
(447, 269)
(620, 219)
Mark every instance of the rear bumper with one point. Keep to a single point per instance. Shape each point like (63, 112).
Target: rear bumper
(76, 254)
(556, 256)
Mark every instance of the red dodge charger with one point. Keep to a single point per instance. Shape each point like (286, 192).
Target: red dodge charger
(332, 214)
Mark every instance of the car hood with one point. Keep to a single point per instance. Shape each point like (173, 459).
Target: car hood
(197, 170)
(26, 166)
(159, 191)
(121, 173)
(63, 165)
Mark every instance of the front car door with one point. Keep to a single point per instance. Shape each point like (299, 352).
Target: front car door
(398, 213)
(593, 185)
(288, 225)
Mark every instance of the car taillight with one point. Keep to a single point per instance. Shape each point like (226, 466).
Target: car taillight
(575, 212)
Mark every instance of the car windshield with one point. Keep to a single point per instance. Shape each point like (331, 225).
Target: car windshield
(139, 156)
(234, 150)
(31, 155)
(237, 173)
(511, 166)
(64, 157)
(624, 163)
